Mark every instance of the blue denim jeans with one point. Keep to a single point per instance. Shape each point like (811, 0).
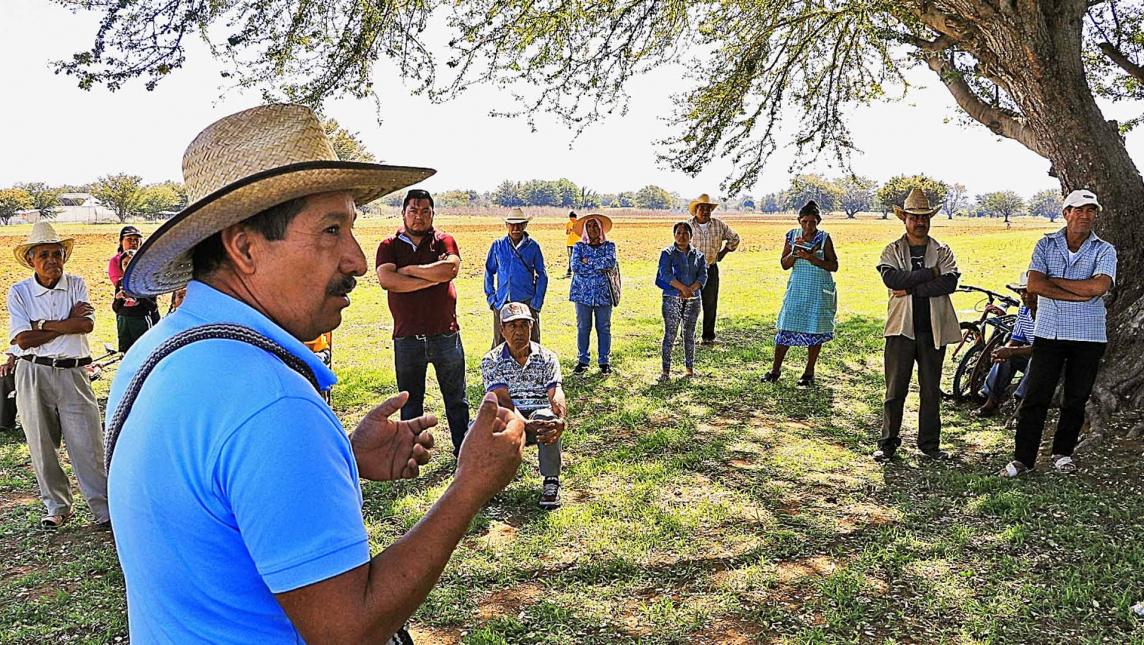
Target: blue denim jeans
(1001, 375)
(412, 355)
(603, 319)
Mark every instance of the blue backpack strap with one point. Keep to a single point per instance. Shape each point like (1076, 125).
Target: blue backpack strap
(178, 341)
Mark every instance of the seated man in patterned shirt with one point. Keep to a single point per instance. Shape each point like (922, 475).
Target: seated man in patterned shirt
(1014, 356)
(526, 377)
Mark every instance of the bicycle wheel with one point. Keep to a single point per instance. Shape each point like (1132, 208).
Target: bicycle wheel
(981, 368)
(962, 386)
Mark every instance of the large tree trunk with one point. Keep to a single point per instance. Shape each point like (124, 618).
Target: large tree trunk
(1033, 50)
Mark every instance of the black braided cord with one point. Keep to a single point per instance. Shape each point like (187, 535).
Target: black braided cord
(182, 339)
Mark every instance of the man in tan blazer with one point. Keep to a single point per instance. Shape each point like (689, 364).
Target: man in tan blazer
(920, 273)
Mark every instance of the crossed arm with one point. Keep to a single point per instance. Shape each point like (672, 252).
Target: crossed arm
(416, 277)
(77, 322)
(1069, 290)
(928, 282)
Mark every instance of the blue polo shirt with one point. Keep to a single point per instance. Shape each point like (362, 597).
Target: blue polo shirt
(232, 481)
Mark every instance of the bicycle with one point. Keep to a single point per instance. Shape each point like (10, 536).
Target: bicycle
(979, 338)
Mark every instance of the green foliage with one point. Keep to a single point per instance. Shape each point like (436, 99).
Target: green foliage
(1002, 203)
(653, 198)
(12, 201)
(772, 203)
(347, 145)
(44, 199)
(855, 194)
(160, 201)
(955, 199)
(121, 193)
(753, 59)
(804, 188)
(894, 192)
(1046, 203)
(456, 198)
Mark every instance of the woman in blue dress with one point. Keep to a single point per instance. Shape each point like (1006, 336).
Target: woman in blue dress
(591, 291)
(811, 301)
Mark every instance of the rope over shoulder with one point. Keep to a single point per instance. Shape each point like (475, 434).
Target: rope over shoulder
(178, 341)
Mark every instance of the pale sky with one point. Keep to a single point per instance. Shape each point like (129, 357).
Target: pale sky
(54, 132)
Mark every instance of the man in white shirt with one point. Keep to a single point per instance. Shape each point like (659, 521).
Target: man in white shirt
(50, 318)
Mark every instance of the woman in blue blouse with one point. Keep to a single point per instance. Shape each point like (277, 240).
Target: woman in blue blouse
(682, 274)
(591, 290)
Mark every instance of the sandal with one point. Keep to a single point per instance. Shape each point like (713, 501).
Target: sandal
(770, 377)
(53, 522)
(1013, 469)
(1064, 464)
(664, 377)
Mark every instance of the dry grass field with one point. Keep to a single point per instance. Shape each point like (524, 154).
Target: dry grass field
(722, 510)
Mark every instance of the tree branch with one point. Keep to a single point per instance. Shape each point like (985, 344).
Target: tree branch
(1118, 57)
(999, 121)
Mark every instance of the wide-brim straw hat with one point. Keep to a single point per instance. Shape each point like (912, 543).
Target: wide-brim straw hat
(1022, 283)
(42, 233)
(916, 204)
(702, 199)
(605, 223)
(242, 165)
(517, 216)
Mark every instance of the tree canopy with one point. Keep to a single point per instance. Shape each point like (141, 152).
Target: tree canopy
(749, 59)
(12, 201)
(1029, 71)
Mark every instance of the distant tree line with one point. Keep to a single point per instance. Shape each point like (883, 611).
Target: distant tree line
(560, 193)
(855, 194)
(125, 195)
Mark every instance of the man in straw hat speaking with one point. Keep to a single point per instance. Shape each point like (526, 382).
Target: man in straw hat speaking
(920, 273)
(714, 239)
(234, 490)
(50, 318)
(514, 272)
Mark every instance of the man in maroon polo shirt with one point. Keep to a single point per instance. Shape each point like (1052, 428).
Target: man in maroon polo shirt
(417, 266)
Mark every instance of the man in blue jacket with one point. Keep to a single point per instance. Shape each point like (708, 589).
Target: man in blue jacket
(514, 272)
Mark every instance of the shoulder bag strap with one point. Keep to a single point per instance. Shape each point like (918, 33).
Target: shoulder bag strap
(180, 340)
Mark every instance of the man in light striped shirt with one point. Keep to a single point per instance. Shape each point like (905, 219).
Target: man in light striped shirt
(714, 239)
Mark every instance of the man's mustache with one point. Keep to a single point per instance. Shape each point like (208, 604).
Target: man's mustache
(341, 286)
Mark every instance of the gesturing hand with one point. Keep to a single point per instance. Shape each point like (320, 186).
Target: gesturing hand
(491, 452)
(386, 449)
(8, 367)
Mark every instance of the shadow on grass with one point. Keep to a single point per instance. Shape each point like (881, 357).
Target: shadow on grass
(726, 501)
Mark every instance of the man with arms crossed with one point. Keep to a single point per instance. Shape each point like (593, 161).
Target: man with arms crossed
(1070, 272)
(416, 266)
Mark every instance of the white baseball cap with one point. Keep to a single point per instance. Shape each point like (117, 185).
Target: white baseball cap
(1079, 198)
(515, 311)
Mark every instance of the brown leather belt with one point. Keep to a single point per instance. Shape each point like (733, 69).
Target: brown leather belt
(65, 363)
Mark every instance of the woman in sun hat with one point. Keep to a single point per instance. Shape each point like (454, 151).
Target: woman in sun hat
(591, 290)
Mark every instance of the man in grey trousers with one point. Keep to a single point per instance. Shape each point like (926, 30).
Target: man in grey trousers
(50, 317)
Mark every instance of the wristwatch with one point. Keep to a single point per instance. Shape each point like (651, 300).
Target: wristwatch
(38, 325)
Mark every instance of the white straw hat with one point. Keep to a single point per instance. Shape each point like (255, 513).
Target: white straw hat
(242, 165)
(42, 233)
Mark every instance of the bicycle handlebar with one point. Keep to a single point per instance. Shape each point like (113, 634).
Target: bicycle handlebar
(993, 295)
